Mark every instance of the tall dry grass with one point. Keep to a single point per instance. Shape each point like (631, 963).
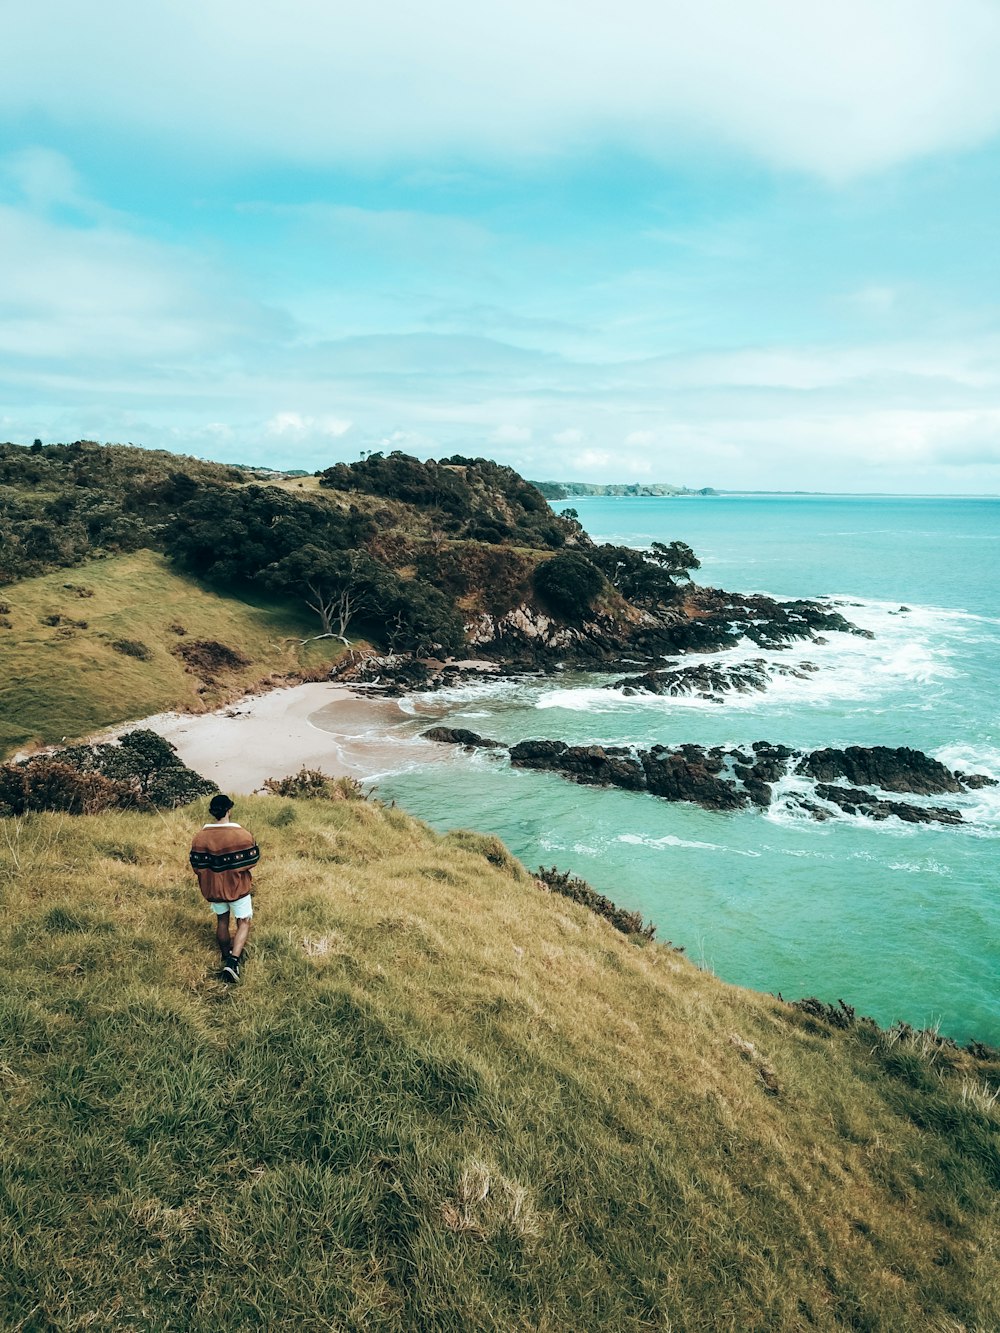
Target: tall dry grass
(442, 1099)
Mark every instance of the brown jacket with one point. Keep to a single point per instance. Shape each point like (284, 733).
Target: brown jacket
(221, 857)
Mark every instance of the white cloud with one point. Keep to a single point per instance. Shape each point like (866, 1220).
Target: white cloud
(834, 89)
(595, 459)
(511, 434)
(92, 290)
(42, 177)
(294, 426)
(109, 333)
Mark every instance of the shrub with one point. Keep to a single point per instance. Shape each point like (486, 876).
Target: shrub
(568, 584)
(839, 1015)
(313, 784)
(141, 772)
(498, 577)
(571, 886)
(49, 784)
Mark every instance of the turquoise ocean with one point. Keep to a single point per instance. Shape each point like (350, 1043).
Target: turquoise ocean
(898, 920)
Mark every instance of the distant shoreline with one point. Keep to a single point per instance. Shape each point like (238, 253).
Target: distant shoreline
(822, 495)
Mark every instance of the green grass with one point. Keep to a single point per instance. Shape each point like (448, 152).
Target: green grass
(65, 681)
(442, 1099)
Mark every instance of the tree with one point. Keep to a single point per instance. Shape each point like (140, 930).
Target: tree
(676, 559)
(336, 585)
(420, 619)
(569, 583)
(646, 578)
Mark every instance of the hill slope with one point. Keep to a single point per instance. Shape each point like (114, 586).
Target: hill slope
(442, 1099)
(61, 673)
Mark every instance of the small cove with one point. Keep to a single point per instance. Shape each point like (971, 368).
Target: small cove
(896, 919)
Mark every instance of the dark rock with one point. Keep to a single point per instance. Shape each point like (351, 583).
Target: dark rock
(537, 754)
(732, 779)
(770, 761)
(858, 801)
(681, 776)
(590, 764)
(708, 680)
(880, 766)
(461, 736)
(759, 792)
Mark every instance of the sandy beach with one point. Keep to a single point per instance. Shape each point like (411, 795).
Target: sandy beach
(270, 735)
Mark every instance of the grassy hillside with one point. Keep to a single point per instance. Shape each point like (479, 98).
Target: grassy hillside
(442, 1099)
(67, 678)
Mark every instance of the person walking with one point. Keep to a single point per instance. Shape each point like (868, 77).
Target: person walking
(221, 856)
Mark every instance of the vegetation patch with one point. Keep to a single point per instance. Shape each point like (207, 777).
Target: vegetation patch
(132, 648)
(141, 772)
(312, 784)
(205, 657)
(572, 886)
(568, 584)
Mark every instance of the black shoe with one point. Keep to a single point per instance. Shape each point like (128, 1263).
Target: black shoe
(231, 969)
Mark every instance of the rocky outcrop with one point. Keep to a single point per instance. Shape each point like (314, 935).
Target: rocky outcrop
(529, 639)
(711, 682)
(858, 801)
(461, 736)
(708, 620)
(394, 675)
(714, 619)
(892, 770)
(594, 765)
(717, 778)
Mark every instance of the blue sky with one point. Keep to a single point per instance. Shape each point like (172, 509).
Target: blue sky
(748, 243)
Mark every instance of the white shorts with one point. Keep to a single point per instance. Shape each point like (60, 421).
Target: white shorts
(241, 908)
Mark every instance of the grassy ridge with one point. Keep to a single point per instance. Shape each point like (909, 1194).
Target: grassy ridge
(442, 1099)
(65, 680)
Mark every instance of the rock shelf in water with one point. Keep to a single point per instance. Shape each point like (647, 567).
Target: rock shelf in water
(734, 779)
(710, 681)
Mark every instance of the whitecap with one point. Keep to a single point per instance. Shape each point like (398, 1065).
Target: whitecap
(971, 758)
(671, 840)
(919, 867)
(585, 699)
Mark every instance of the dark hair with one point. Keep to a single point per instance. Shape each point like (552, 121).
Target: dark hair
(219, 805)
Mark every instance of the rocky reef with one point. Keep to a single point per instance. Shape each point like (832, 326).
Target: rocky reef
(711, 681)
(734, 779)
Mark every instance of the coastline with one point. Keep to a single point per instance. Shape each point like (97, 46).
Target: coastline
(273, 734)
